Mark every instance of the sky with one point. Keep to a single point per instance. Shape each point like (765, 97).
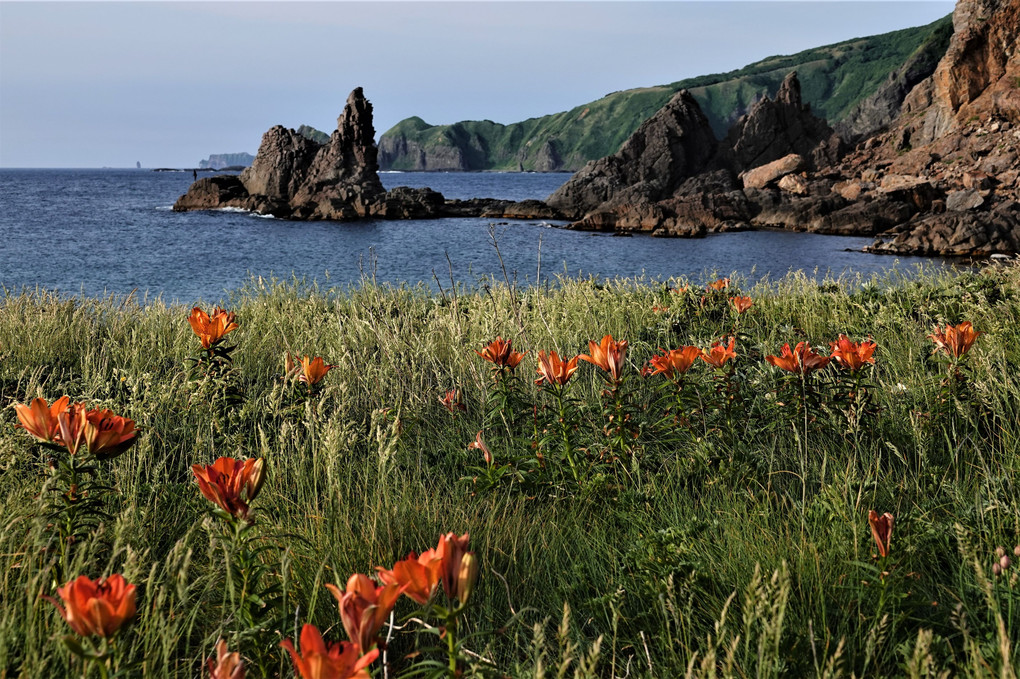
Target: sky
(90, 84)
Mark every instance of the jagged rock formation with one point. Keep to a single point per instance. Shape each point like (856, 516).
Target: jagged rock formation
(940, 177)
(781, 126)
(673, 178)
(674, 144)
(296, 177)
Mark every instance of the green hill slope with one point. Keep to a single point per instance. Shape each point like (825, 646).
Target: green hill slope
(833, 78)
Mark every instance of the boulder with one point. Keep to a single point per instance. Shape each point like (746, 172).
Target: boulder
(793, 183)
(762, 176)
(967, 199)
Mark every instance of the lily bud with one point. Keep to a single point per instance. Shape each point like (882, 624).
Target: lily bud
(467, 577)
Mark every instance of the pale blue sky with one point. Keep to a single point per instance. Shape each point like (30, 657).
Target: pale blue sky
(87, 84)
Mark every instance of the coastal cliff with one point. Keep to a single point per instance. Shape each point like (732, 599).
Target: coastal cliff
(941, 177)
(836, 79)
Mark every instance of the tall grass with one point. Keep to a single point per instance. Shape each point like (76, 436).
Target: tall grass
(714, 551)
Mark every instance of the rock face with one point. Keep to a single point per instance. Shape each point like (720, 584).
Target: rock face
(936, 169)
(778, 127)
(674, 144)
(294, 176)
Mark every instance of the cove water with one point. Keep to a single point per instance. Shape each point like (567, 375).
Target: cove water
(100, 232)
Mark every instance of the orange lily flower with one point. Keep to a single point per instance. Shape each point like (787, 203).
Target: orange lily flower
(41, 420)
(718, 285)
(554, 369)
(419, 576)
(231, 484)
(741, 304)
(479, 444)
(801, 360)
(608, 355)
(500, 353)
(364, 608)
(335, 661)
(954, 341)
(881, 530)
(660, 309)
(451, 552)
(719, 354)
(211, 331)
(852, 355)
(451, 401)
(108, 435)
(227, 665)
(313, 370)
(103, 434)
(97, 608)
(673, 362)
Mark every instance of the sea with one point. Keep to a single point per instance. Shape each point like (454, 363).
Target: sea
(108, 232)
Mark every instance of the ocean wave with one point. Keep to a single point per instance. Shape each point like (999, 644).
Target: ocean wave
(164, 208)
(260, 216)
(239, 210)
(391, 172)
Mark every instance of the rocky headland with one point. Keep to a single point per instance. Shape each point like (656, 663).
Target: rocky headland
(296, 175)
(933, 167)
(929, 164)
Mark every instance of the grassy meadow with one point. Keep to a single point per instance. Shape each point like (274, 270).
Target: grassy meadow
(712, 526)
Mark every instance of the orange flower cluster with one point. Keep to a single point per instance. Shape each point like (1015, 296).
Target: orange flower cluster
(212, 330)
(741, 304)
(554, 370)
(500, 353)
(718, 285)
(103, 434)
(97, 608)
(852, 355)
(881, 530)
(451, 401)
(954, 341)
(364, 608)
(231, 484)
(672, 363)
(608, 354)
(801, 360)
(317, 660)
(313, 370)
(450, 563)
(719, 353)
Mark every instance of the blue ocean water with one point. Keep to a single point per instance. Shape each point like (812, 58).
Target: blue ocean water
(97, 232)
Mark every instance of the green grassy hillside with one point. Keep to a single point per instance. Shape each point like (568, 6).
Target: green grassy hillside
(833, 79)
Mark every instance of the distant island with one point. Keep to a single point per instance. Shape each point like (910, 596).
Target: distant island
(241, 160)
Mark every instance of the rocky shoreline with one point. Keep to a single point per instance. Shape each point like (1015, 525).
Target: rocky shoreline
(931, 168)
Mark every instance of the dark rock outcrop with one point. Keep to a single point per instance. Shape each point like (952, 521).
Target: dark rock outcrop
(941, 176)
(294, 176)
(777, 127)
(674, 144)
